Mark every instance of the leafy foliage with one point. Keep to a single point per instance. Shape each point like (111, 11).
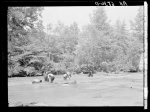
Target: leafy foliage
(98, 47)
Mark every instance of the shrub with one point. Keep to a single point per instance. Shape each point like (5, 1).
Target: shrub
(77, 70)
(10, 72)
(30, 71)
(87, 68)
(104, 66)
(17, 70)
(36, 65)
(22, 73)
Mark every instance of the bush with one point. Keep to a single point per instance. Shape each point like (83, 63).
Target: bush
(18, 70)
(29, 70)
(104, 66)
(10, 72)
(86, 69)
(58, 72)
(133, 69)
(36, 65)
(21, 73)
(77, 71)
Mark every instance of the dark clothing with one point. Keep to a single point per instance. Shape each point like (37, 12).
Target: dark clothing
(46, 78)
(90, 74)
(52, 79)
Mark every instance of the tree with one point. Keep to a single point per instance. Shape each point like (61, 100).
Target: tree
(49, 28)
(94, 41)
(138, 25)
(99, 19)
(66, 41)
(22, 21)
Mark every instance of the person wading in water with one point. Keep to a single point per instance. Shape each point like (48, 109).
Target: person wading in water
(90, 74)
(49, 77)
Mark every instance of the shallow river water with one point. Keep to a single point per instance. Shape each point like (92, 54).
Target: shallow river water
(100, 90)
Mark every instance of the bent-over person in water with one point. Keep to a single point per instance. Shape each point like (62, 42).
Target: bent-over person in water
(50, 77)
(67, 76)
(90, 74)
(46, 77)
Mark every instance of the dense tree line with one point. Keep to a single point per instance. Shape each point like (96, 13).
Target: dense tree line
(98, 47)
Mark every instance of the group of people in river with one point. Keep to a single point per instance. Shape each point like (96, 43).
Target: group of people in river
(49, 77)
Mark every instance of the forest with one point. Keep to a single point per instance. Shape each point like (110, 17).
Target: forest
(98, 47)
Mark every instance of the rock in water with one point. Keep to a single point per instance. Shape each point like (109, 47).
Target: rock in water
(36, 81)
